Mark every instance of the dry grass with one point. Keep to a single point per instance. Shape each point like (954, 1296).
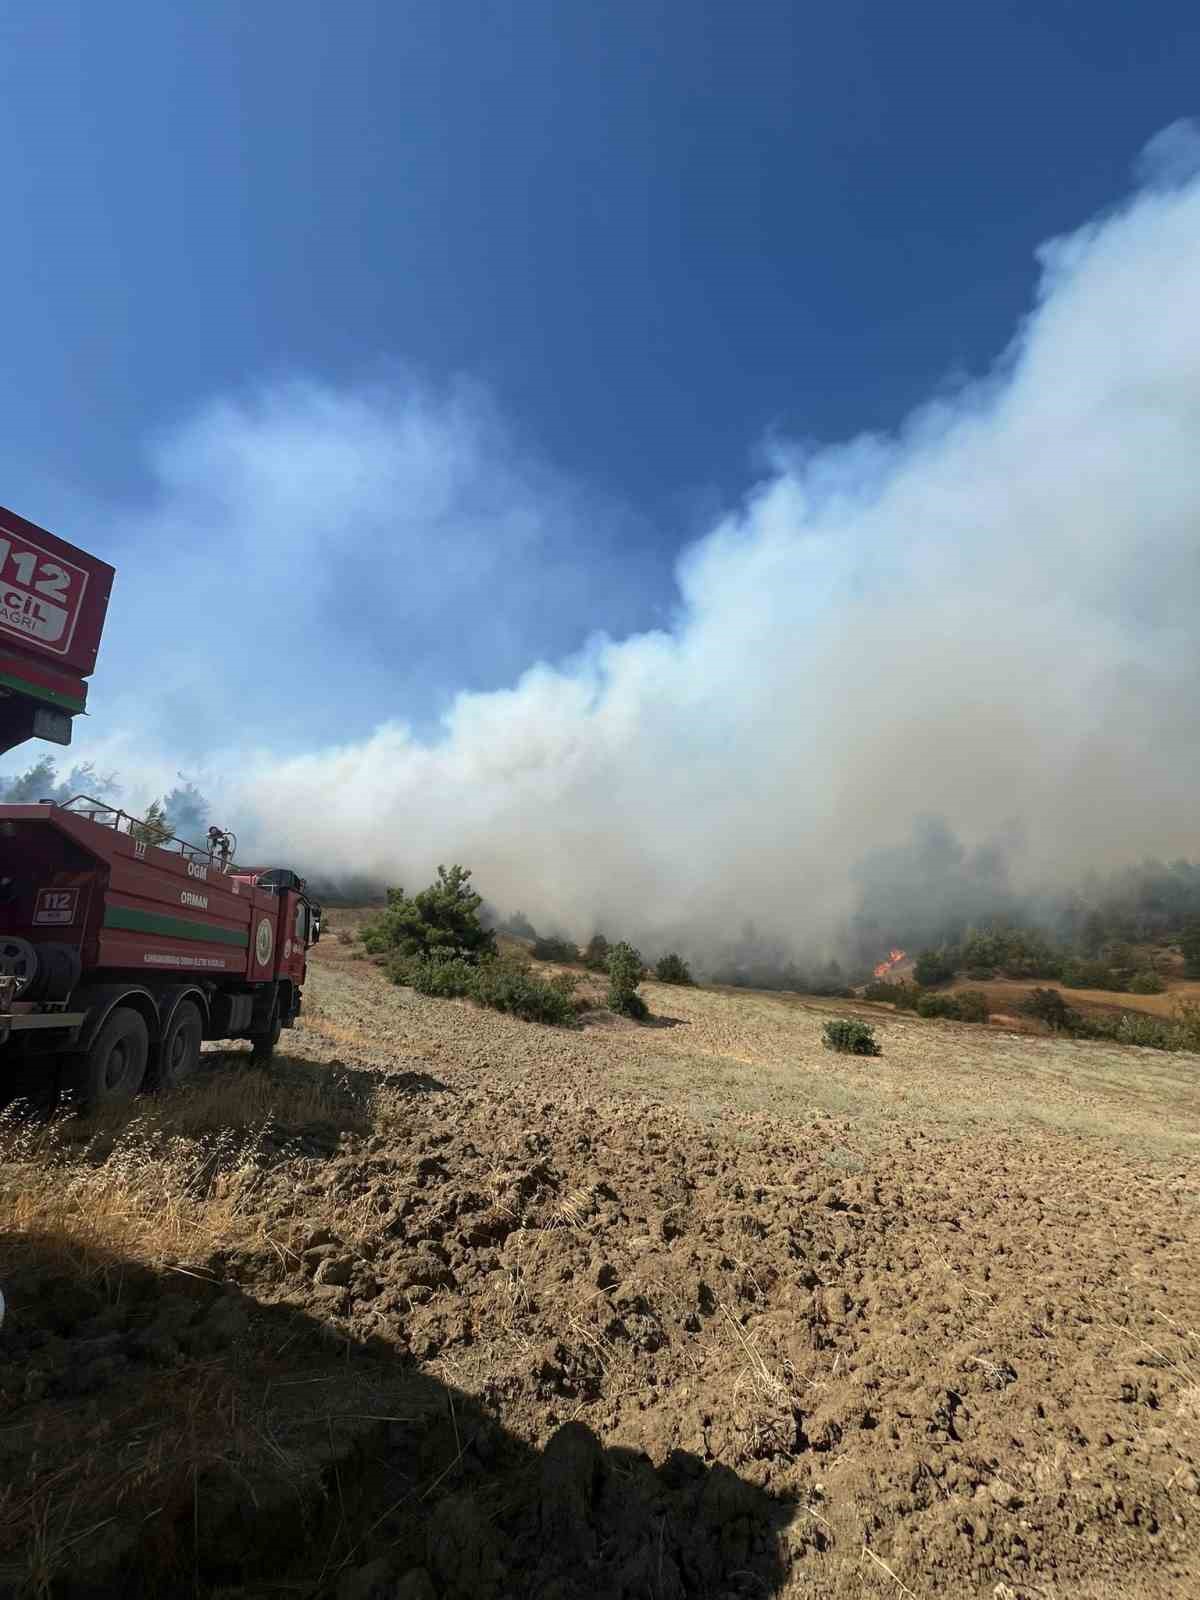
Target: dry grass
(112, 1203)
(169, 1177)
(161, 1453)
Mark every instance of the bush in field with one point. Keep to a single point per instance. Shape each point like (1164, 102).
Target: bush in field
(1187, 1025)
(903, 996)
(968, 1005)
(973, 1005)
(934, 966)
(1092, 975)
(1189, 944)
(505, 983)
(442, 978)
(906, 996)
(1153, 1033)
(981, 974)
(880, 989)
(624, 975)
(930, 1004)
(1147, 981)
(851, 1038)
(509, 985)
(1048, 1006)
(595, 956)
(440, 924)
(672, 968)
(552, 949)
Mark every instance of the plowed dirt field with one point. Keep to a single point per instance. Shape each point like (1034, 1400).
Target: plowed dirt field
(448, 1305)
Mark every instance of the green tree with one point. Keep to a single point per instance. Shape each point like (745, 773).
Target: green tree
(672, 968)
(851, 1038)
(1048, 1006)
(595, 957)
(188, 810)
(1190, 946)
(1147, 981)
(624, 974)
(934, 966)
(155, 827)
(441, 923)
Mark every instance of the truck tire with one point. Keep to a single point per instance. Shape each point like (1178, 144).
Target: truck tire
(114, 1067)
(263, 1044)
(179, 1054)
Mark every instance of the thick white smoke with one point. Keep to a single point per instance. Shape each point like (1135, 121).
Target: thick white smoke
(991, 615)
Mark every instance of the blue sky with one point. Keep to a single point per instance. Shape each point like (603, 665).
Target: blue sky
(390, 350)
(654, 229)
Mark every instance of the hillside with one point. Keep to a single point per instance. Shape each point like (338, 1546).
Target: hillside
(688, 1309)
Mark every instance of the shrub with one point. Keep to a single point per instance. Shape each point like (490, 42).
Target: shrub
(1048, 1006)
(1146, 982)
(443, 978)
(440, 923)
(595, 957)
(624, 975)
(1091, 975)
(933, 966)
(906, 996)
(552, 949)
(833, 991)
(973, 1005)
(1189, 944)
(938, 1005)
(851, 1038)
(510, 986)
(672, 968)
(1187, 1025)
(880, 989)
(1153, 1033)
(505, 983)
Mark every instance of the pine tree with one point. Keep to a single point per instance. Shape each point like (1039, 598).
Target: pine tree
(441, 923)
(155, 827)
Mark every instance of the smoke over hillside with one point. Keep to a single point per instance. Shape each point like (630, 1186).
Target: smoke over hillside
(990, 616)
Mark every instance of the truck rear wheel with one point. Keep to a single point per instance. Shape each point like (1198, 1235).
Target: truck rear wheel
(114, 1067)
(179, 1054)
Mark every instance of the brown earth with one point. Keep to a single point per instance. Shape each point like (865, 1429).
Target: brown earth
(680, 1310)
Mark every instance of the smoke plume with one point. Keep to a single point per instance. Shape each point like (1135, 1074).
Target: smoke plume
(989, 616)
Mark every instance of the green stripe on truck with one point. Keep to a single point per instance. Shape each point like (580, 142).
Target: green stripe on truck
(172, 927)
(38, 691)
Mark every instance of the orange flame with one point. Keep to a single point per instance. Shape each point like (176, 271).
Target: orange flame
(895, 957)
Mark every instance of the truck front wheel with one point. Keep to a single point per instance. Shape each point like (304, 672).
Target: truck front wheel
(263, 1044)
(114, 1067)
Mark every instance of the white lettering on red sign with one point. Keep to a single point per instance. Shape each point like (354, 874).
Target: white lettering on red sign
(40, 594)
(55, 907)
(163, 958)
(198, 902)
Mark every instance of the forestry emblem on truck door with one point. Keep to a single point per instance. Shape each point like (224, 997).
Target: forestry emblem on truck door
(264, 942)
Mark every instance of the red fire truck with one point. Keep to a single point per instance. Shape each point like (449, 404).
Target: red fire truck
(122, 949)
(53, 600)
